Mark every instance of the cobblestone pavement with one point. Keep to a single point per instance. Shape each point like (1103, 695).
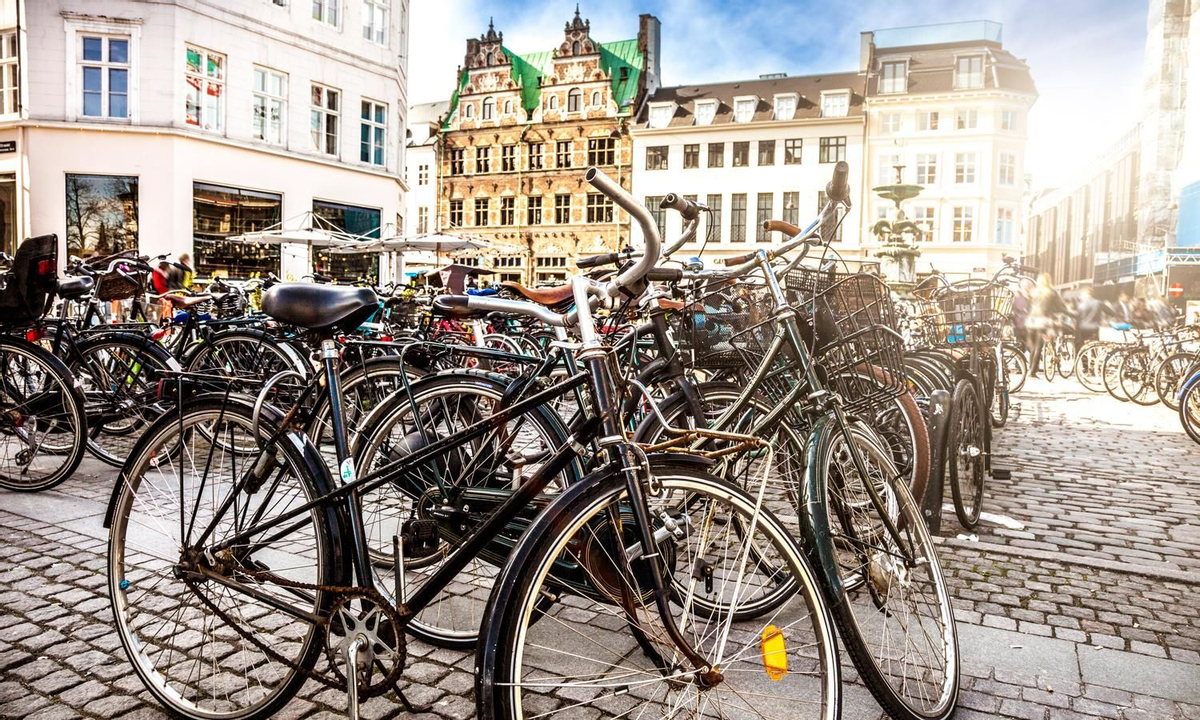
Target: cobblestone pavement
(1079, 596)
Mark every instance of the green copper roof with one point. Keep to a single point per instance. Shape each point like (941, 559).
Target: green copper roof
(527, 71)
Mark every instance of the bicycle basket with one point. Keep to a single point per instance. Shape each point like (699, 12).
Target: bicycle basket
(113, 286)
(856, 343)
(719, 325)
(228, 305)
(967, 311)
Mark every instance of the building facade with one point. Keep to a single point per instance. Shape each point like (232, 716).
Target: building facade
(421, 165)
(947, 110)
(751, 151)
(520, 133)
(170, 126)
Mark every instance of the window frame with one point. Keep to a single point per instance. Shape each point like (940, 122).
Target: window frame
(658, 157)
(267, 97)
(574, 100)
(488, 110)
(965, 168)
(1011, 224)
(10, 70)
(660, 115)
(959, 83)
(891, 122)
(105, 66)
(481, 207)
(600, 209)
(928, 170)
(1011, 167)
(967, 119)
(562, 208)
(963, 224)
(741, 102)
(835, 96)
(691, 156)
(508, 157)
(719, 154)
(370, 9)
(707, 105)
(455, 206)
(377, 133)
(508, 210)
(325, 113)
(898, 84)
(786, 97)
(734, 213)
(323, 18)
(764, 210)
(540, 155)
(562, 158)
(602, 151)
(927, 120)
(713, 218)
(483, 159)
(744, 147)
(835, 142)
(204, 91)
(766, 149)
(793, 151)
(73, 86)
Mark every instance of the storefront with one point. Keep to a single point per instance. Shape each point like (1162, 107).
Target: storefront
(219, 212)
(359, 221)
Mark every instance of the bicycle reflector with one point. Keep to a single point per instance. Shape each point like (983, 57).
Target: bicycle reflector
(47, 268)
(33, 335)
(774, 652)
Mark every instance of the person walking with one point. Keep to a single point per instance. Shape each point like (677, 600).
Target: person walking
(1046, 308)
(1089, 314)
(1021, 301)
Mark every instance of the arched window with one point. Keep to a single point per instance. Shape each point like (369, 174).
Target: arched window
(574, 100)
(489, 108)
(552, 102)
(508, 107)
(596, 98)
(575, 48)
(490, 62)
(469, 111)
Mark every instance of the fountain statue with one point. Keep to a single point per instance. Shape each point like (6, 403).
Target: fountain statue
(898, 236)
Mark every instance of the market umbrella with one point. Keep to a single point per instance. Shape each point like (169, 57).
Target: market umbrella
(454, 276)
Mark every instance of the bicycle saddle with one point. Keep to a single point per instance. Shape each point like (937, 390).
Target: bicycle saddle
(455, 306)
(75, 288)
(554, 297)
(320, 307)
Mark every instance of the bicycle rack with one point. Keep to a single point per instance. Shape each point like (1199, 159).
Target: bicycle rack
(940, 407)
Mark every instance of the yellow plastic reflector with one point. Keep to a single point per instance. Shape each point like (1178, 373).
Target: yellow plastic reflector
(774, 652)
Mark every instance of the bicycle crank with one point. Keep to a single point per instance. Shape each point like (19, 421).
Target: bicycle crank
(358, 620)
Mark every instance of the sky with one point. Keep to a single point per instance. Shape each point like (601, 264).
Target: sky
(1085, 55)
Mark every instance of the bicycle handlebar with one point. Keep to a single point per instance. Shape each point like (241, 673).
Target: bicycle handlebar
(597, 179)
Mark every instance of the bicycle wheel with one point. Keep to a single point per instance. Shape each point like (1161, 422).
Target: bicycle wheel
(965, 448)
(1049, 361)
(1066, 358)
(1112, 373)
(1016, 367)
(1189, 407)
(200, 645)
(893, 611)
(244, 353)
(119, 375)
(601, 648)
(499, 461)
(1089, 365)
(1000, 400)
(1169, 377)
(43, 428)
(1136, 377)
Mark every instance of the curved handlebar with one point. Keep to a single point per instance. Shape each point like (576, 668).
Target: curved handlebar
(838, 189)
(781, 226)
(597, 179)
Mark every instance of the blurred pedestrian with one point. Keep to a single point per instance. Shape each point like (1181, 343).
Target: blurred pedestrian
(1021, 301)
(1046, 309)
(1089, 314)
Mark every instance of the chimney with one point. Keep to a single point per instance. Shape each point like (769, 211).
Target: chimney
(866, 42)
(650, 43)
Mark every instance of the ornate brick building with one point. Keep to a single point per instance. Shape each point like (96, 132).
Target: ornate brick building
(520, 133)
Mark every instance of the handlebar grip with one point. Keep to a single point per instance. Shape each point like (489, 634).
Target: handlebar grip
(780, 226)
(688, 209)
(839, 187)
(665, 274)
(739, 259)
(598, 260)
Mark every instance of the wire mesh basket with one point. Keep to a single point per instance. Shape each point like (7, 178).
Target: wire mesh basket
(853, 316)
(722, 326)
(229, 305)
(964, 312)
(114, 286)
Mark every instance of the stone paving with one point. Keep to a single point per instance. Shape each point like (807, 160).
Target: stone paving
(1078, 597)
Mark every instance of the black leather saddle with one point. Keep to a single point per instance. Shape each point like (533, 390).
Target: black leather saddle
(320, 307)
(75, 288)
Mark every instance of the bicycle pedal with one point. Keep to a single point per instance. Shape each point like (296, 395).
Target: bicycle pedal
(1001, 473)
(420, 538)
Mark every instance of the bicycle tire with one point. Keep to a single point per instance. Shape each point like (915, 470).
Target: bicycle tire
(1189, 407)
(1088, 360)
(1111, 373)
(1137, 379)
(965, 448)
(1169, 377)
(1016, 365)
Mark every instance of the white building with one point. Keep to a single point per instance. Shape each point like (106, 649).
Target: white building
(420, 174)
(171, 125)
(948, 105)
(752, 150)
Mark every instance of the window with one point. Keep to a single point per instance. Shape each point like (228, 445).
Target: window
(457, 161)
(889, 122)
(354, 220)
(968, 72)
(887, 168)
(1004, 226)
(601, 151)
(927, 120)
(766, 152)
(483, 208)
(469, 110)
(574, 100)
(562, 209)
(1008, 169)
(508, 158)
(102, 214)
(923, 217)
(483, 159)
(456, 213)
(536, 155)
(597, 98)
(9, 73)
(706, 110)
(716, 155)
(832, 149)
(422, 220)
(508, 107)
(766, 203)
(205, 78)
(1008, 120)
(599, 208)
(562, 154)
(326, 11)
(104, 66)
(422, 174)
(552, 102)
(791, 207)
(660, 115)
(653, 204)
(835, 104)
(508, 210)
(793, 150)
(656, 158)
(964, 168)
(489, 109)
(551, 268)
(270, 105)
(964, 223)
(323, 120)
(737, 218)
(741, 154)
(691, 156)
(533, 210)
(373, 140)
(785, 107)
(926, 168)
(713, 232)
(219, 212)
(894, 78)
(375, 21)
(743, 110)
(966, 119)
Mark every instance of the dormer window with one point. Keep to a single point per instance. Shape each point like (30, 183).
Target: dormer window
(552, 102)
(968, 72)
(785, 106)
(661, 114)
(835, 104)
(894, 77)
(469, 111)
(743, 109)
(706, 110)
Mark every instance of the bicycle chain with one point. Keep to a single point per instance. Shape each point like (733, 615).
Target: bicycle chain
(339, 593)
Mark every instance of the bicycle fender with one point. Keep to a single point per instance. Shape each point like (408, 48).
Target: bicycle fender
(816, 536)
